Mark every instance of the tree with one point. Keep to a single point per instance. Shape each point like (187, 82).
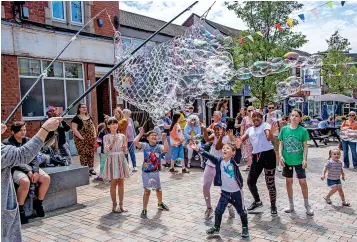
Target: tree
(263, 16)
(338, 75)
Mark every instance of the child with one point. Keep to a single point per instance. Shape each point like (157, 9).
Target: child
(293, 155)
(335, 171)
(102, 131)
(116, 166)
(151, 167)
(176, 141)
(229, 178)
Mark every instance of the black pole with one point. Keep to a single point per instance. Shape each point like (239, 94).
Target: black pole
(44, 73)
(97, 83)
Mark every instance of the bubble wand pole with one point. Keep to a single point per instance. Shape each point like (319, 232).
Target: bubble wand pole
(97, 83)
(44, 73)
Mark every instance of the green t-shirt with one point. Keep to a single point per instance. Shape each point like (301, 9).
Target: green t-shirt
(293, 141)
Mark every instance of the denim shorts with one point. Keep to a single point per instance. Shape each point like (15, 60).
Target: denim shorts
(177, 153)
(332, 183)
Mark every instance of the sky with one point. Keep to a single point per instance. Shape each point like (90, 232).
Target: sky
(316, 28)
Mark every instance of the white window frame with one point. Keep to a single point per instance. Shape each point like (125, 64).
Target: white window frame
(64, 11)
(64, 79)
(70, 14)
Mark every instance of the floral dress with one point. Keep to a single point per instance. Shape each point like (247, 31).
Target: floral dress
(116, 166)
(247, 145)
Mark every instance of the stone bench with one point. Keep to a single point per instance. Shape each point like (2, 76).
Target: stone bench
(62, 191)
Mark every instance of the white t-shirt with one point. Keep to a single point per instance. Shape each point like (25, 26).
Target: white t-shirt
(258, 138)
(214, 151)
(229, 183)
(267, 118)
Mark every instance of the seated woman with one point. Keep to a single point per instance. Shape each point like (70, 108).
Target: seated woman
(24, 175)
(191, 132)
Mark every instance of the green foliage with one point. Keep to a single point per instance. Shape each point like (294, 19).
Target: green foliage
(336, 74)
(262, 16)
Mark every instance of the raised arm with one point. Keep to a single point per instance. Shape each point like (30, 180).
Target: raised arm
(166, 144)
(138, 137)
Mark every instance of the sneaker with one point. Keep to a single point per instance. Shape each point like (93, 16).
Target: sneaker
(245, 232)
(202, 164)
(98, 178)
(208, 213)
(178, 163)
(255, 205)
(162, 206)
(39, 208)
(92, 172)
(212, 230)
(167, 165)
(273, 211)
(135, 169)
(289, 209)
(328, 200)
(185, 170)
(346, 204)
(144, 214)
(23, 218)
(279, 169)
(309, 210)
(231, 212)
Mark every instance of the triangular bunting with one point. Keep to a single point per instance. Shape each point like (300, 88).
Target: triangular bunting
(302, 17)
(250, 37)
(343, 3)
(260, 33)
(290, 22)
(278, 26)
(314, 12)
(329, 4)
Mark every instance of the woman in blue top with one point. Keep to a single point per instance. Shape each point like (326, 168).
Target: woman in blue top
(191, 132)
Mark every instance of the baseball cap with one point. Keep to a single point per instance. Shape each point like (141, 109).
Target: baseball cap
(221, 125)
(50, 108)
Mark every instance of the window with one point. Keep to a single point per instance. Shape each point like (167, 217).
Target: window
(63, 85)
(77, 12)
(133, 43)
(59, 10)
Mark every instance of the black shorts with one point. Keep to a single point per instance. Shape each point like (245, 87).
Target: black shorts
(288, 171)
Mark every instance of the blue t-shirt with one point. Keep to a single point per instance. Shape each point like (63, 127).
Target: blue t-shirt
(169, 122)
(151, 157)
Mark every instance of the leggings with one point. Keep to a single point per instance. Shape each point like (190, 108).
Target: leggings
(234, 198)
(208, 176)
(87, 160)
(264, 160)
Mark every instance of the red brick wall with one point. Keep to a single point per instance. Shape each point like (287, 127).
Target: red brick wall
(36, 10)
(112, 9)
(90, 75)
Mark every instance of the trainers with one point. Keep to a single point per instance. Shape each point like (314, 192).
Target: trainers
(289, 209)
(23, 218)
(279, 169)
(166, 165)
(255, 205)
(208, 213)
(98, 178)
(135, 169)
(346, 204)
(144, 214)
(92, 172)
(173, 170)
(185, 170)
(202, 164)
(231, 212)
(178, 163)
(162, 206)
(309, 210)
(212, 230)
(273, 211)
(39, 208)
(328, 200)
(245, 232)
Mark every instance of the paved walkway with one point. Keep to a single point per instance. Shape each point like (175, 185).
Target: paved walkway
(91, 219)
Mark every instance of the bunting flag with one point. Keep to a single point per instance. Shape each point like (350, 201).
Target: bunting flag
(343, 3)
(329, 4)
(290, 22)
(314, 12)
(302, 16)
(241, 41)
(250, 37)
(260, 33)
(278, 26)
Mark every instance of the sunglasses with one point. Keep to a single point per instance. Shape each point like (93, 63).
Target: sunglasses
(249, 110)
(270, 107)
(351, 115)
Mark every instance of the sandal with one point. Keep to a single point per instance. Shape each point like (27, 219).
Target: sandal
(173, 170)
(347, 204)
(122, 210)
(328, 200)
(114, 209)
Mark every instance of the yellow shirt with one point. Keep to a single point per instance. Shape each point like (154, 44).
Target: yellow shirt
(182, 121)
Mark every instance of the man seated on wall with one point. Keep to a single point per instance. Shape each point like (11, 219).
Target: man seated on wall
(25, 175)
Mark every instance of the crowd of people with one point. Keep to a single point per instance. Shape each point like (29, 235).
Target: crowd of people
(261, 141)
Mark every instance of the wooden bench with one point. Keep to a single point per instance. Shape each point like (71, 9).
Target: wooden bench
(63, 188)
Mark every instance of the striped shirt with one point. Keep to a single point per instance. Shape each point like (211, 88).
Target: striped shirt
(334, 169)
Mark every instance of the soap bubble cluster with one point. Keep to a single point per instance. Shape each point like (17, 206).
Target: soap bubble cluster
(174, 73)
(289, 86)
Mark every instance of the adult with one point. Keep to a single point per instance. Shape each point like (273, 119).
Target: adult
(350, 123)
(247, 122)
(268, 118)
(63, 146)
(27, 174)
(167, 124)
(84, 137)
(14, 156)
(223, 108)
(261, 135)
(191, 131)
(217, 118)
(130, 135)
(239, 118)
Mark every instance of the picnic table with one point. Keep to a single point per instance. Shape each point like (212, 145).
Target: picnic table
(321, 134)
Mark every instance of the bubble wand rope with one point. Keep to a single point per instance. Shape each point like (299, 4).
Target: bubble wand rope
(44, 73)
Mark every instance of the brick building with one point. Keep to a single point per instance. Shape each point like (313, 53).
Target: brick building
(33, 33)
